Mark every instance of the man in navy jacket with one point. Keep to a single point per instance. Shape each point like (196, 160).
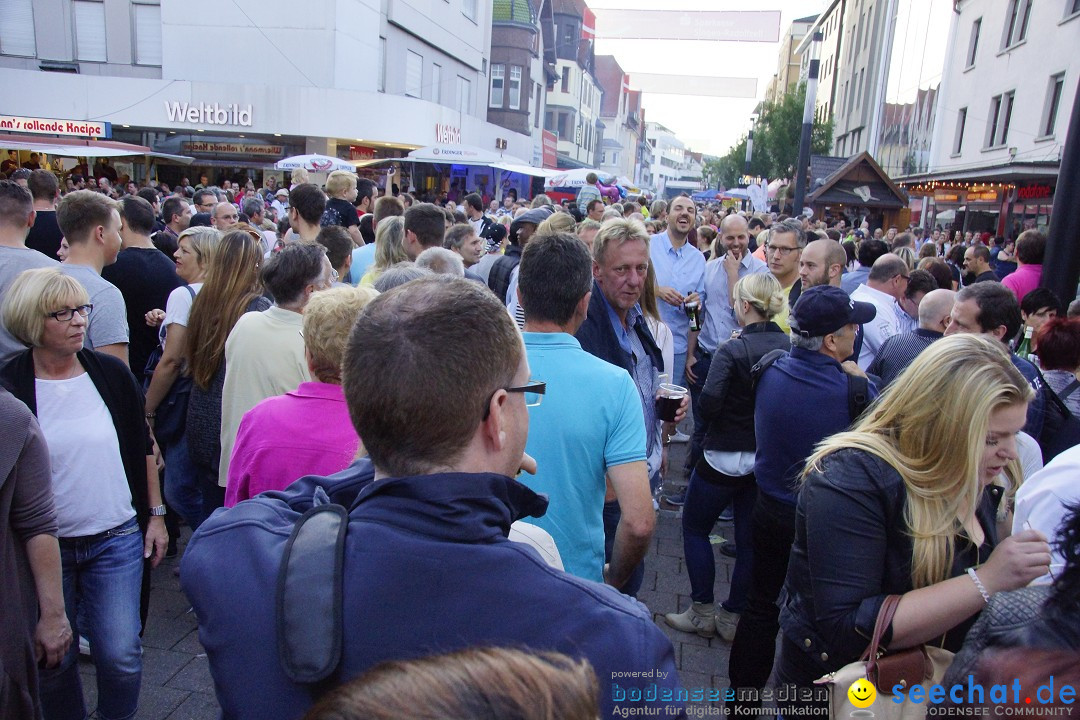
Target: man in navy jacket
(427, 564)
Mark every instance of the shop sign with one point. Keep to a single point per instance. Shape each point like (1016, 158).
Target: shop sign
(1035, 192)
(208, 114)
(356, 152)
(550, 142)
(227, 148)
(48, 126)
(447, 134)
(948, 196)
(983, 193)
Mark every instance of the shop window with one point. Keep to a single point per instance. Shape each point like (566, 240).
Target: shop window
(496, 97)
(436, 83)
(514, 87)
(1053, 101)
(90, 31)
(1016, 22)
(958, 140)
(17, 28)
(147, 25)
(973, 44)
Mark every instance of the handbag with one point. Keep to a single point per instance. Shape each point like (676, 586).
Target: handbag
(171, 412)
(922, 665)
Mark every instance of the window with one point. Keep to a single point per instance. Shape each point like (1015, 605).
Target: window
(147, 24)
(496, 99)
(1053, 100)
(851, 48)
(436, 83)
(514, 88)
(90, 31)
(1073, 7)
(1001, 107)
(566, 79)
(858, 93)
(869, 27)
(414, 74)
(958, 140)
(536, 106)
(973, 45)
(468, 9)
(858, 32)
(1016, 22)
(381, 79)
(464, 95)
(17, 28)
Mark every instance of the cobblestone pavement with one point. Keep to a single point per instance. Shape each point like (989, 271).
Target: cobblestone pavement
(176, 679)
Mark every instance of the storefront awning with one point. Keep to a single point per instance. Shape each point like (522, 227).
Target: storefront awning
(463, 155)
(66, 147)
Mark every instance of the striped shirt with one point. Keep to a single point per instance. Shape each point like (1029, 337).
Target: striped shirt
(897, 352)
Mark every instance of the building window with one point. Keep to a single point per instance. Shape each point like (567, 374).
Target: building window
(973, 45)
(566, 79)
(1053, 101)
(17, 28)
(464, 96)
(1001, 107)
(858, 32)
(414, 74)
(496, 99)
(381, 78)
(436, 83)
(858, 92)
(147, 24)
(1016, 22)
(90, 31)
(869, 27)
(536, 106)
(468, 9)
(514, 88)
(958, 140)
(1073, 7)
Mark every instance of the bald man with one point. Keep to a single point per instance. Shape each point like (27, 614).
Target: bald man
(822, 263)
(225, 216)
(898, 351)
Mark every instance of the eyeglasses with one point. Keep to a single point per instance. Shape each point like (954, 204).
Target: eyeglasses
(533, 391)
(334, 277)
(780, 249)
(67, 314)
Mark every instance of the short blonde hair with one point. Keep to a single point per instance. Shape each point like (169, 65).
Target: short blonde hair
(340, 181)
(202, 240)
(616, 232)
(559, 222)
(35, 294)
(328, 318)
(299, 176)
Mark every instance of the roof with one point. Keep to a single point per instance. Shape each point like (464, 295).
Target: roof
(822, 166)
(611, 144)
(610, 77)
(858, 181)
(515, 11)
(807, 19)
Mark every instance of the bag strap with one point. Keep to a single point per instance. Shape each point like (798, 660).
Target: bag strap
(762, 365)
(1049, 392)
(884, 620)
(308, 596)
(858, 392)
(1069, 390)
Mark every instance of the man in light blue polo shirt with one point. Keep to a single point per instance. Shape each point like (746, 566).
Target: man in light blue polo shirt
(680, 277)
(589, 425)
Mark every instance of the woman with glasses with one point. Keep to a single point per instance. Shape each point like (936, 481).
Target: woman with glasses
(104, 483)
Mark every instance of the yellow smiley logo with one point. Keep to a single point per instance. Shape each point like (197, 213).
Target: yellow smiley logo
(862, 693)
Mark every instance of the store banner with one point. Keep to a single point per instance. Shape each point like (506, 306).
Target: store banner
(227, 148)
(551, 149)
(357, 152)
(49, 126)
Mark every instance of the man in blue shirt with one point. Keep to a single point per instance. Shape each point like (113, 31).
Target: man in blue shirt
(680, 277)
(802, 398)
(590, 423)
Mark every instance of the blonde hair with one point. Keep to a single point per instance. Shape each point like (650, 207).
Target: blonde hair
(32, 296)
(328, 318)
(299, 176)
(931, 427)
(616, 232)
(763, 292)
(389, 243)
(202, 240)
(560, 222)
(907, 255)
(340, 181)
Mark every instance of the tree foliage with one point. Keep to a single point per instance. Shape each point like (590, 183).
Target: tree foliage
(776, 143)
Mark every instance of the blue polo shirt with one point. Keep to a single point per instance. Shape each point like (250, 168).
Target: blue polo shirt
(802, 398)
(683, 270)
(589, 420)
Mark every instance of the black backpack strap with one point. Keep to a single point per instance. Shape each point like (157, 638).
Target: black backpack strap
(1069, 389)
(308, 595)
(762, 365)
(858, 396)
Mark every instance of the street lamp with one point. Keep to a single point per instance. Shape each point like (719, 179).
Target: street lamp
(808, 125)
(750, 144)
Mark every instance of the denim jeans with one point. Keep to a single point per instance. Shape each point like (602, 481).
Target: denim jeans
(612, 515)
(182, 491)
(678, 373)
(705, 500)
(102, 577)
(752, 651)
(697, 440)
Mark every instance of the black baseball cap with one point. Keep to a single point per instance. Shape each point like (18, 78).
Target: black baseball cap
(824, 309)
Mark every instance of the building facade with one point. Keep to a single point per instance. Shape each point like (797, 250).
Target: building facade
(573, 98)
(789, 61)
(621, 115)
(351, 79)
(674, 169)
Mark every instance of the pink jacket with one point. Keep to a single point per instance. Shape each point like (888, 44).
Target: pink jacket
(303, 432)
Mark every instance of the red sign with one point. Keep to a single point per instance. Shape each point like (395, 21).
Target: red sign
(1034, 192)
(550, 143)
(356, 152)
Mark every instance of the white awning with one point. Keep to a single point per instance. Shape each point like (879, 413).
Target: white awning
(88, 150)
(526, 169)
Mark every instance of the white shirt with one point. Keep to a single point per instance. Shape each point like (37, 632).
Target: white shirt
(1041, 501)
(882, 327)
(178, 308)
(89, 483)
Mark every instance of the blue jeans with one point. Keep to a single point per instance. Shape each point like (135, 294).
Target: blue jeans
(182, 491)
(678, 373)
(102, 577)
(705, 500)
(697, 440)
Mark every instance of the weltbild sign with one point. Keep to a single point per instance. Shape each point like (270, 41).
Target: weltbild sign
(208, 113)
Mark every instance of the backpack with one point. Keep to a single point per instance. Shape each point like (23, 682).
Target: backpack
(858, 387)
(1061, 429)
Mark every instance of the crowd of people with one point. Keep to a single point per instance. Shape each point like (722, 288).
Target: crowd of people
(459, 416)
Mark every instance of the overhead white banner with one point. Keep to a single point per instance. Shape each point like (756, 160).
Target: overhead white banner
(735, 26)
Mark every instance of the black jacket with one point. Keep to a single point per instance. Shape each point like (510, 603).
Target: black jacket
(726, 403)
(597, 336)
(501, 270)
(123, 397)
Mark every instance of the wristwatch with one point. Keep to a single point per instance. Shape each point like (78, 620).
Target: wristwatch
(157, 511)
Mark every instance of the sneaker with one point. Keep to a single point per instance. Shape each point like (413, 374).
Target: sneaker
(726, 622)
(727, 516)
(728, 549)
(698, 618)
(679, 437)
(678, 499)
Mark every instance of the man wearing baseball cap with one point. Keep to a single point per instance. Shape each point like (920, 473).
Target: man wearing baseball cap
(803, 397)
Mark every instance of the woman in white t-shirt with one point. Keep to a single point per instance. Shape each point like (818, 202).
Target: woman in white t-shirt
(192, 258)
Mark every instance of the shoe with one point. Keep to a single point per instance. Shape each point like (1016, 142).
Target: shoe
(726, 622)
(698, 618)
(679, 437)
(728, 549)
(678, 499)
(84, 646)
(727, 516)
